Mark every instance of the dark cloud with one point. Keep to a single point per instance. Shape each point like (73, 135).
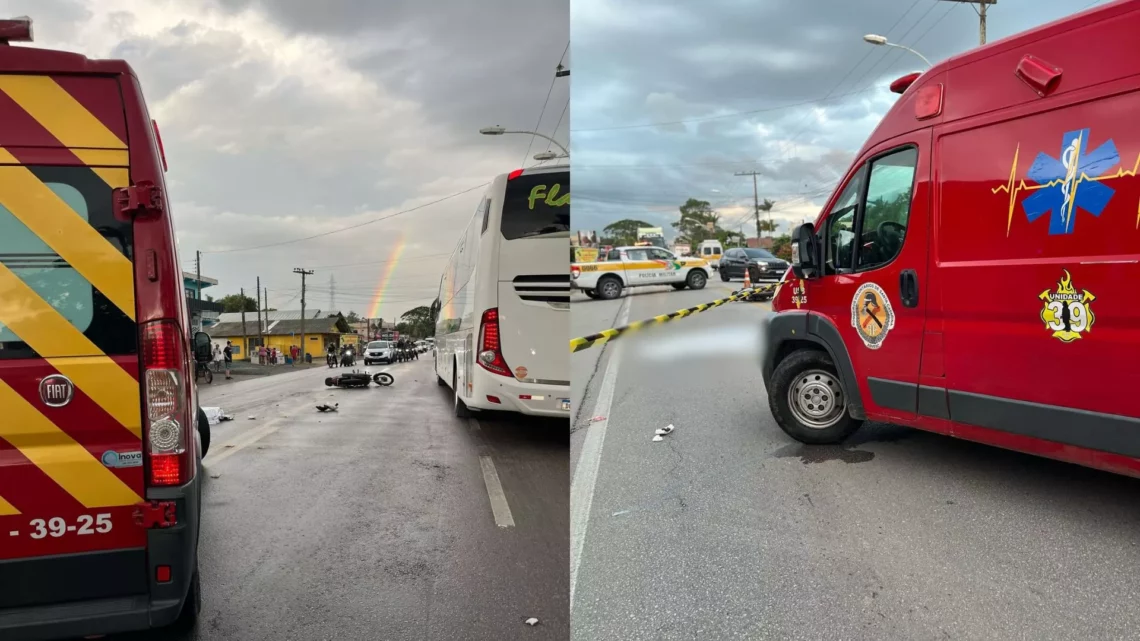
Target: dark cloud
(673, 60)
(287, 119)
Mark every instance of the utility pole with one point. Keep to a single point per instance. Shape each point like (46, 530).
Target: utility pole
(198, 283)
(260, 327)
(303, 272)
(332, 292)
(755, 200)
(981, 11)
(244, 340)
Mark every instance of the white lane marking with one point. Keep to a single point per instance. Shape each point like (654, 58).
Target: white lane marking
(499, 506)
(249, 438)
(586, 472)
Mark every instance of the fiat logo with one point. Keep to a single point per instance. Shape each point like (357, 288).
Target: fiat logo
(56, 390)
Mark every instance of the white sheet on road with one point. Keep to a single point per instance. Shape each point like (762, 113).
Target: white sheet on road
(216, 415)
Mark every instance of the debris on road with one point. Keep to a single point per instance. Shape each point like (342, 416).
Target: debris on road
(251, 418)
(328, 408)
(657, 438)
(532, 621)
(660, 433)
(215, 476)
(215, 415)
(597, 419)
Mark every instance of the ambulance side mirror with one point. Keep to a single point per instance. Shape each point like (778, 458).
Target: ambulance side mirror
(805, 252)
(203, 347)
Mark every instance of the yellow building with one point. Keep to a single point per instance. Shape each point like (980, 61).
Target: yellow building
(282, 330)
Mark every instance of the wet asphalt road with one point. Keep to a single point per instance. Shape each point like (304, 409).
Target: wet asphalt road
(375, 522)
(730, 530)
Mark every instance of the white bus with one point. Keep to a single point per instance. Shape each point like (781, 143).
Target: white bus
(504, 300)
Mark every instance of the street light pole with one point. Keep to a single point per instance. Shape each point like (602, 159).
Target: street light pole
(882, 41)
(499, 131)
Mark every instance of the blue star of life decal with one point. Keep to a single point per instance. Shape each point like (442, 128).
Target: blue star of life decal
(1067, 187)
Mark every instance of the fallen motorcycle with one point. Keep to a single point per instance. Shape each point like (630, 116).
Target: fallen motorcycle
(360, 379)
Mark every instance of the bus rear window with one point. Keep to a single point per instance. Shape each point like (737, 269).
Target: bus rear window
(537, 205)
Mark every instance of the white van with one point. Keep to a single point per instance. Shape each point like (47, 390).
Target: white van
(711, 251)
(504, 299)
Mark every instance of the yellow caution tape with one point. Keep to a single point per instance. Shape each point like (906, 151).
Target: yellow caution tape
(606, 335)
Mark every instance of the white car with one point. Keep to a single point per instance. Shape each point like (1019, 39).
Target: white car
(379, 352)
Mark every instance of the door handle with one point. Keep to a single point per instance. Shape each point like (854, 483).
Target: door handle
(908, 288)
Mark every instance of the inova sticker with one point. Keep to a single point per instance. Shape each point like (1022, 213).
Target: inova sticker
(871, 315)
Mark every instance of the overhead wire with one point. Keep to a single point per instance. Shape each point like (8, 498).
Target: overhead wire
(553, 79)
(356, 226)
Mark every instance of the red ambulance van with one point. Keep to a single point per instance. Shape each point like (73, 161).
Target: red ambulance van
(977, 272)
(100, 460)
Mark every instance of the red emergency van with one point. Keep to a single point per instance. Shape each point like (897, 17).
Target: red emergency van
(99, 456)
(977, 272)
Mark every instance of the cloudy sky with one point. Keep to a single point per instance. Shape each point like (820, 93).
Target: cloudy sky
(741, 86)
(283, 119)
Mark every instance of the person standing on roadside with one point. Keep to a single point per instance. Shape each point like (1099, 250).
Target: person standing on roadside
(228, 356)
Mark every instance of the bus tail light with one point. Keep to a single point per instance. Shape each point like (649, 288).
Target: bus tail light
(490, 348)
(166, 419)
(514, 174)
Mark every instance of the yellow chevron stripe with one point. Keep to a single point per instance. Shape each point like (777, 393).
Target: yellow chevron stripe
(6, 508)
(66, 462)
(103, 157)
(50, 334)
(77, 242)
(115, 177)
(61, 114)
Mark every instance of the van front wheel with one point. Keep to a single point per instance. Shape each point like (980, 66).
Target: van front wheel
(808, 401)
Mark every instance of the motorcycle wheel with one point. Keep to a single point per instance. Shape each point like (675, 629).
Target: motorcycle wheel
(209, 376)
(383, 378)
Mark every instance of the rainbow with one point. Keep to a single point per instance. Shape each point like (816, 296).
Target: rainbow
(386, 278)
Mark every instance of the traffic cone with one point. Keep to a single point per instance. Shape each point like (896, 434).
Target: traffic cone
(747, 279)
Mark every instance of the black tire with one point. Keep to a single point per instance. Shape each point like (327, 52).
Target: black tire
(813, 372)
(209, 376)
(609, 288)
(192, 607)
(754, 275)
(724, 275)
(329, 382)
(679, 286)
(383, 379)
(204, 431)
(696, 279)
(591, 293)
(461, 409)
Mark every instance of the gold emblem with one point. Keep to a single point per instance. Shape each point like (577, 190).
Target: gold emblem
(1066, 312)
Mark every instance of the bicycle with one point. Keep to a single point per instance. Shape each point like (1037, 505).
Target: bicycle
(202, 370)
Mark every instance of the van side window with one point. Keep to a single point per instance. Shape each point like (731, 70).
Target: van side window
(840, 242)
(886, 208)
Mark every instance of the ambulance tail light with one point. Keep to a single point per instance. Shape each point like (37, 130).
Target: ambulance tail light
(16, 30)
(166, 417)
(575, 272)
(161, 149)
(900, 85)
(928, 102)
(490, 349)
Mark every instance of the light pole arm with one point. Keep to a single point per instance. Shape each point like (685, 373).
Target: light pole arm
(535, 133)
(891, 44)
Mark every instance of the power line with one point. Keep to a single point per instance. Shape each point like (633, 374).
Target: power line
(357, 226)
(544, 103)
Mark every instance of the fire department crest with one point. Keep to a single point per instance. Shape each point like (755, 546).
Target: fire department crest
(872, 315)
(1067, 312)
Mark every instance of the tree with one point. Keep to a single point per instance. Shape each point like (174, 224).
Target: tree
(698, 222)
(769, 226)
(418, 321)
(622, 232)
(234, 303)
(782, 247)
(765, 206)
(352, 317)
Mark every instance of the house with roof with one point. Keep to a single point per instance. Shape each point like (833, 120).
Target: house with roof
(282, 329)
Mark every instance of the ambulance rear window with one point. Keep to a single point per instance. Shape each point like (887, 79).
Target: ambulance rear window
(537, 205)
(40, 283)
